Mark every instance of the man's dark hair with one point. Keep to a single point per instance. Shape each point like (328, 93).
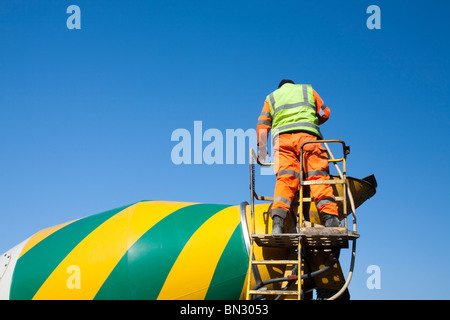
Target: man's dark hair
(285, 81)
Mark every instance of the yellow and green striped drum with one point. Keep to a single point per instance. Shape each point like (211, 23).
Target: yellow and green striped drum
(146, 250)
(154, 250)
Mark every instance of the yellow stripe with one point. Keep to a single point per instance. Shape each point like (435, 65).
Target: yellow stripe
(41, 235)
(81, 274)
(191, 274)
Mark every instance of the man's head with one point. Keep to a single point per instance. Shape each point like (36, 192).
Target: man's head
(285, 81)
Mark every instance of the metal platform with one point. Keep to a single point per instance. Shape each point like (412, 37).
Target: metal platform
(327, 237)
(285, 240)
(311, 236)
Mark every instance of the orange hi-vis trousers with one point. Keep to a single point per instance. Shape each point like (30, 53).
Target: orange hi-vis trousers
(287, 168)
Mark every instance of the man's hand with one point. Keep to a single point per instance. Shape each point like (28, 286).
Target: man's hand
(262, 155)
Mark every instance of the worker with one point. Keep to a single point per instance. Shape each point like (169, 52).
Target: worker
(294, 112)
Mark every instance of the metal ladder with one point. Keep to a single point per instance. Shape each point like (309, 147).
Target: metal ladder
(307, 236)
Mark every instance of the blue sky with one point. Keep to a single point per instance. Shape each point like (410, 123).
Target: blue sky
(86, 116)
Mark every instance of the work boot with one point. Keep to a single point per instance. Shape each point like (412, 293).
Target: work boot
(278, 225)
(330, 220)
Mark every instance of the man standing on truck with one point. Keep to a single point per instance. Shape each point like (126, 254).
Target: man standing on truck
(294, 112)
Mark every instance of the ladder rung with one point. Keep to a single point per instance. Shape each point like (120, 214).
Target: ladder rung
(264, 198)
(316, 182)
(275, 262)
(336, 160)
(339, 198)
(277, 292)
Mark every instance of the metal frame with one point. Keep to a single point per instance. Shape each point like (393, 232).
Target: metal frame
(304, 232)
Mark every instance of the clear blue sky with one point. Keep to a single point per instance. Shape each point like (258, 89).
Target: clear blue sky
(86, 116)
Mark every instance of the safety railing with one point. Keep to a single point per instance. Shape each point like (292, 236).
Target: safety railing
(346, 194)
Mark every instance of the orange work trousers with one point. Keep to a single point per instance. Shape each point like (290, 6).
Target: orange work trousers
(287, 168)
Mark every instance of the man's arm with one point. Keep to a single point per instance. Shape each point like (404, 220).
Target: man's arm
(323, 112)
(262, 130)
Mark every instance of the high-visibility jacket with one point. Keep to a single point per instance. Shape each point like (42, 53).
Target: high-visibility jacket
(293, 108)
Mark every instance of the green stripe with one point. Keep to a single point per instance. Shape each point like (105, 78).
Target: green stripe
(229, 276)
(142, 271)
(36, 265)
